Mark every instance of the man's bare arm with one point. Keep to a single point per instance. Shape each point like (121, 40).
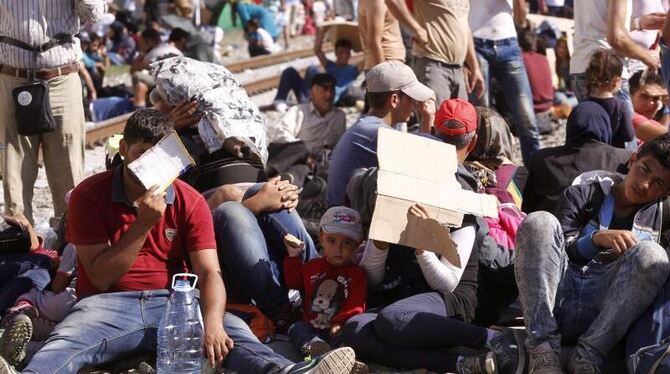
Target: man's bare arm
(318, 46)
(400, 11)
(216, 342)
(519, 12)
(619, 38)
(375, 29)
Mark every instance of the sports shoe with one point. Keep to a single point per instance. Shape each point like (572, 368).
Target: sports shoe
(15, 339)
(6, 368)
(26, 309)
(578, 365)
(544, 360)
(359, 368)
(508, 350)
(316, 348)
(281, 106)
(478, 364)
(337, 361)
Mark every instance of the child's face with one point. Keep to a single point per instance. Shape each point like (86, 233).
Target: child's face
(647, 181)
(337, 248)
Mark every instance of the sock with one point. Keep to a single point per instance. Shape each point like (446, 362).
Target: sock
(492, 334)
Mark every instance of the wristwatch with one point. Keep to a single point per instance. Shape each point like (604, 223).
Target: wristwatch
(636, 24)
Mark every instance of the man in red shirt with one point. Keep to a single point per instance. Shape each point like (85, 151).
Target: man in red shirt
(130, 242)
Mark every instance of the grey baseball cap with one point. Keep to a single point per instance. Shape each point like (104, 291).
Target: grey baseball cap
(342, 220)
(396, 76)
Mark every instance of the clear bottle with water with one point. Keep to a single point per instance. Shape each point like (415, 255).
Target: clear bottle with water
(180, 330)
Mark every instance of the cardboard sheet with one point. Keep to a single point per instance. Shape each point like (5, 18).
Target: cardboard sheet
(414, 169)
(162, 163)
(344, 30)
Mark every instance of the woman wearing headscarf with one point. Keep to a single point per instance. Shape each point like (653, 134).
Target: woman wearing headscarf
(586, 148)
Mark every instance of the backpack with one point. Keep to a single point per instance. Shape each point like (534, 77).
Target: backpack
(503, 229)
(648, 340)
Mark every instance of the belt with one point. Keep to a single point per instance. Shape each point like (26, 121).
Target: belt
(44, 74)
(498, 42)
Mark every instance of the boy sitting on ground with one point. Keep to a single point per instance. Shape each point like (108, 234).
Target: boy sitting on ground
(333, 288)
(586, 274)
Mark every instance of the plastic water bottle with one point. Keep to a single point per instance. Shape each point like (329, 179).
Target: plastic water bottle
(180, 330)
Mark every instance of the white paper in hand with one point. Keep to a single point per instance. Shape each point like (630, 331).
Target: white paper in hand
(162, 163)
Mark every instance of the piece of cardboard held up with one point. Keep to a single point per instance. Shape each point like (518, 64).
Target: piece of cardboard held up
(414, 169)
(161, 164)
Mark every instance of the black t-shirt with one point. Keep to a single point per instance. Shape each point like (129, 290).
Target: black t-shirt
(622, 223)
(621, 119)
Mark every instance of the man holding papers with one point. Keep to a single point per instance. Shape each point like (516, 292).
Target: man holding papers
(130, 241)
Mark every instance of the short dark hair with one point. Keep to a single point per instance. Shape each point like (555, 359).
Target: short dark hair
(147, 126)
(151, 34)
(458, 141)
(178, 33)
(651, 77)
(95, 37)
(659, 148)
(323, 80)
(604, 66)
(527, 41)
(343, 43)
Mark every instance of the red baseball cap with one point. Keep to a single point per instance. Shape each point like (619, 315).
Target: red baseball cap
(457, 110)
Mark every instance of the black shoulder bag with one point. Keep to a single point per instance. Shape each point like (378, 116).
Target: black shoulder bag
(32, 105)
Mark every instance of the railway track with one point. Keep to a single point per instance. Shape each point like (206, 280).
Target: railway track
(104, 129)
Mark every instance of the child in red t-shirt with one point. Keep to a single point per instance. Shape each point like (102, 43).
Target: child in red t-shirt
(333, 288)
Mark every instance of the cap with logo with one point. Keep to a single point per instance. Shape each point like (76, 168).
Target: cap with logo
(396, 76)
(342, 220)
(457, 110)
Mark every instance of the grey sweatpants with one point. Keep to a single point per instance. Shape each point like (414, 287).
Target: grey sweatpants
(593, 305)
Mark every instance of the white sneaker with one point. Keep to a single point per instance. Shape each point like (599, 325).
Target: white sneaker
(281, 106)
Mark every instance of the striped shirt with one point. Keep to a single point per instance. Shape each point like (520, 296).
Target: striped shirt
(36, 22)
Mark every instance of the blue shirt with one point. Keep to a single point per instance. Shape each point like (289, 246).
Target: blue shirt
(357, 148)
(344, 77)
(248, 11)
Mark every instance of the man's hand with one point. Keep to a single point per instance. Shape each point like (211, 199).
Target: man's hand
(278, 194)
(185, 114)
(150, 207)
(421, 36)
(475, 82)
(216, 344)
(652, 61)
(619, 240)
(652, 21)
(427, 108)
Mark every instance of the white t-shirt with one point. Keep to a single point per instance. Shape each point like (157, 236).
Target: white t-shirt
(268, 41)
(161, 51)
(492, 19)
(645, 38)
(591, 32)
(554, 2)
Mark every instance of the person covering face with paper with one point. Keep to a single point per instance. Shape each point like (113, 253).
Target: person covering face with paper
(433, 310)
(130, 241)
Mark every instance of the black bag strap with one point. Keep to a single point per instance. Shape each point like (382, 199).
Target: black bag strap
(58, 39)
(665, 216)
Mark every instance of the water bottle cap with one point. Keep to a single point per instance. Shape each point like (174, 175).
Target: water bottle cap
(180, 282)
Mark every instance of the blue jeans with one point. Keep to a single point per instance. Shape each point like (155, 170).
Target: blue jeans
(19, 273)
(291, 80)
(251, 252)
(106, 327)
(591, 305)
(415, 332)
(502, 59)
(302, 333)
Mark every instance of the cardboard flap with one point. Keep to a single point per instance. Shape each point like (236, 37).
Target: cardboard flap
(392, 223)
(162, 163)
(414, 169)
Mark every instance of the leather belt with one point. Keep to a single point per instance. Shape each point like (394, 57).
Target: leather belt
(43, 74)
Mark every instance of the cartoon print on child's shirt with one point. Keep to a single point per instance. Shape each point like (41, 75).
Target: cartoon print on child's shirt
(327, 299)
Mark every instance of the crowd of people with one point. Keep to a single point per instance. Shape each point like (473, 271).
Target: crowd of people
(570, 277)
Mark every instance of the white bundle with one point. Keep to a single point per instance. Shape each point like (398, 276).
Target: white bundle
(227, 110)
